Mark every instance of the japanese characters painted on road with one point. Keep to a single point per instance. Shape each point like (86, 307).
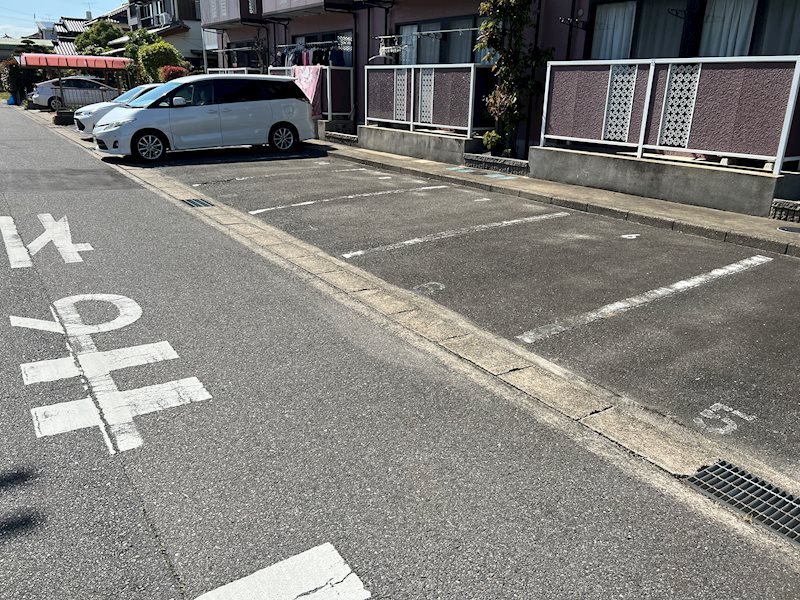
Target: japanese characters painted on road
(107, 407)
(57, 232)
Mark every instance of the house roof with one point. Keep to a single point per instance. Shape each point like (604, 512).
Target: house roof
(165, 31)
(64, 47)
(119, 14)
(9, 42)
(70, 26)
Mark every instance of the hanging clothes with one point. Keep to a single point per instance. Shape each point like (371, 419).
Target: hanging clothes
(336, 57)
(309, 80)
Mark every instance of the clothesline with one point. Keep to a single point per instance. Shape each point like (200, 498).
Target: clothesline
(426, 33)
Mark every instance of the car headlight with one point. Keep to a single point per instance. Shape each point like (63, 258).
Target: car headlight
(83, 113)
(114, 124)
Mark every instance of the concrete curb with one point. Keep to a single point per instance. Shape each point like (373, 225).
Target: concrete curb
(648, 434)
(760, 242)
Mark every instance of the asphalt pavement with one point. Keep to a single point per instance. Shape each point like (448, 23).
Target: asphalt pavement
(728, 340)
(320, 422)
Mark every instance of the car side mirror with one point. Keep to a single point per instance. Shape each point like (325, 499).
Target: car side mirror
(178, 101)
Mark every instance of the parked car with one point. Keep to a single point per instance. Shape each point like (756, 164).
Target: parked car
(206, 111)
(86, 116)
(72, 91)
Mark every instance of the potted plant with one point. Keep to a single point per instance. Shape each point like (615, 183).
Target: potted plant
(493, 142)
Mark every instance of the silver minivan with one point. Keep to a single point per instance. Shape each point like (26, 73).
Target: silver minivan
(208, 111)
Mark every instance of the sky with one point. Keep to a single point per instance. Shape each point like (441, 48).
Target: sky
(17, 18)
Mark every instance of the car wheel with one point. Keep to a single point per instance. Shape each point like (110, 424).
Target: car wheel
(55, 103)
(149, 146)
(283, 137)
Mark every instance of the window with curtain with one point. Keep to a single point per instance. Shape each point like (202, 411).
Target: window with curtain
(454, 47)
(613, 30)
(408, 55)
(459, 44)
(778, 31)
(429, 45)
(728, 27)
(660, 28)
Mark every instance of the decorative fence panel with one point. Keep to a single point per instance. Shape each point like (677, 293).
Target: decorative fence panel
(427, 96)
(744, 107)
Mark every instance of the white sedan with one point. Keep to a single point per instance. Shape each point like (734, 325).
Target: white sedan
(71, 91)
(87, 116)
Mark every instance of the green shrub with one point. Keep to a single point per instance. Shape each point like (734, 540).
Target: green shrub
(157, 55)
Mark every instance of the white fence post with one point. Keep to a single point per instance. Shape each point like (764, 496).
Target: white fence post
(470, 123)
(787, 120)
(646, 111)
(545, 105)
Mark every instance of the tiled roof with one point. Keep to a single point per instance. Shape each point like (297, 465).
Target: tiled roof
(117, 13)
(72, 25)
(62, 47)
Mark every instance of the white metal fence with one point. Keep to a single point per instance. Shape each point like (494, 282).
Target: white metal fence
(337, 86)
(737, 107)
(440, 96)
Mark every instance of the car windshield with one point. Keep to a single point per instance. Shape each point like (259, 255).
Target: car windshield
(130, 94)
(148, 98)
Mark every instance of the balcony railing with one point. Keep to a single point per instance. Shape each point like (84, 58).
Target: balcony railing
(336, 86)
(443, 97)
(742, 107)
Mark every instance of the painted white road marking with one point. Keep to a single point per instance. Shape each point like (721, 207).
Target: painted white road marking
(109, 409)
(611, 310)
(281, 174)
(350, 197)
(55, 232)
(429, 288)
(630, 236)
(713, 413)
(316, 574)
(454, 233)
(18, 256)
(483, 199)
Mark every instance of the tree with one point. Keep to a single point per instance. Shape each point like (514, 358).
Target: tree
(503, 36)
(160, 54)
(137, 39)
(16, 80)
(97, 36)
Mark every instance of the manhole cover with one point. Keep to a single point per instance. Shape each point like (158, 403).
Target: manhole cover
(197, 202)
(789, 229)
(763, 502)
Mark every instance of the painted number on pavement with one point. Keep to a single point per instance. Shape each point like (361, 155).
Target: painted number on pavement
(55, 232)
(720, 422)
(107, 408)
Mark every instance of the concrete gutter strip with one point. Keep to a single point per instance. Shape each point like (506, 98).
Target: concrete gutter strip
(744, 230)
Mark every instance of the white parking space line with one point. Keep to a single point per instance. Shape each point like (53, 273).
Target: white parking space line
(280, 174)
(611, 310)
(454, 233)
(350, 197)
(316, 574)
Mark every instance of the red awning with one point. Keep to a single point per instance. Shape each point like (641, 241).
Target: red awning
(73, 61)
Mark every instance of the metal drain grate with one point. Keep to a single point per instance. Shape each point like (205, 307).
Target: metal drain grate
(764, 502)
(197, 202)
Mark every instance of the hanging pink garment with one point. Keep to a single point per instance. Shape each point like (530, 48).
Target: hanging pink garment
(309, 79)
